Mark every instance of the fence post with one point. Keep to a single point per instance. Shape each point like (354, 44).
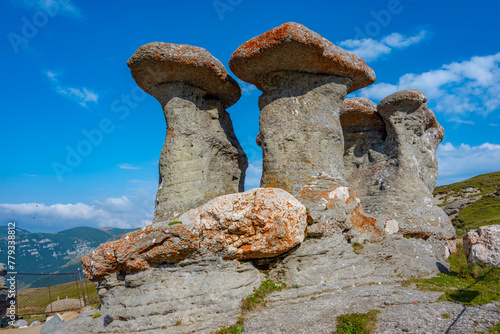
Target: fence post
(17, 297)
(81, 285)
(50, 297)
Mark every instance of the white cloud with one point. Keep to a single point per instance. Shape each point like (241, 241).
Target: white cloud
(463, 122)
(80, 95)
(253, 175)
(51, 7)
(460, 87)
(134, 210)
(396, 40)
(125, 165)
(457, 163)
(370, 49)
(246, 88)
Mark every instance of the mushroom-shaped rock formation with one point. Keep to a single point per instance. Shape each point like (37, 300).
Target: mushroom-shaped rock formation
(304, 79)
(201, 157)
(293, 47)
(259, 223)
(390, 161)
(365, 160)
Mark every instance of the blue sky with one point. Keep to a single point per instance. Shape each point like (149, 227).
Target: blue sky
(66, 88)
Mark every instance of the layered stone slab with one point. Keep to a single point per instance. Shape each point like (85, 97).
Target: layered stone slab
(201, 157)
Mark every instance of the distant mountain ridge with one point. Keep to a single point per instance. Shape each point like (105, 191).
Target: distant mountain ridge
(54, 252)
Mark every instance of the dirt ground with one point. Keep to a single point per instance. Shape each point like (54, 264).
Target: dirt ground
(34, 329)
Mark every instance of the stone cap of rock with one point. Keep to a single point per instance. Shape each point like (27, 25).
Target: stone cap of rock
(359, 112)
(408, 99)
(293, 47)
(157, 63)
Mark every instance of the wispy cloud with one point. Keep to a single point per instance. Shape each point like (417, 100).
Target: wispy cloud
(370, 49)
(246, 88)
(456, 88)
(134, 210)
(457, 163)
(253, 175)
(81, 95)
(52, 7)
(463, 121)
(125, 165)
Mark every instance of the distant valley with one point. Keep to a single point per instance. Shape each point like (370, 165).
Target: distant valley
(54, 252)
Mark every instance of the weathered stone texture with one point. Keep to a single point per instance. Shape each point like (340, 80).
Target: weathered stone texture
(390, 161)
(304, 79)
(191, 297)
(293, 47)
(482, 246)
(157, 63)
(259, 223)
(201, 157)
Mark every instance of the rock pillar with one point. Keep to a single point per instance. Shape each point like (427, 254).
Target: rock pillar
(390, 160)
(304, 79)
(201, 157)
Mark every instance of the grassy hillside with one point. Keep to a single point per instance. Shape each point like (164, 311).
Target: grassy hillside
(485, 211)
(486, 182)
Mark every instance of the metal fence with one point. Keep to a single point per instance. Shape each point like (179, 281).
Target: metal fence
(53, 293)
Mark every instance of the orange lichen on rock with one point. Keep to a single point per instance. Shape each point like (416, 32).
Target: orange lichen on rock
(259, 223)
(293, 47)
(157, 63)
(359, 225)
(263, 222)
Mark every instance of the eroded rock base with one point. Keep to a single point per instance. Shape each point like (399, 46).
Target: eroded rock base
(192, 297)
(325, 278)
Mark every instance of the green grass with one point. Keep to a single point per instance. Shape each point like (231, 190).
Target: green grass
(174, 223)
(486, 182)
(357, 247)
(470, 285)
(485, 211)
(236, 329)
(494, 330)
(35, 300)
(357, 323)
(252, 302)
(258, 297)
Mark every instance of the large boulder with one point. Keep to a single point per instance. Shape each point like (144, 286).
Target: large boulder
(62, 305)
(259, 223)
(201, 157)
(52, 324)
(304, 79)
(482, 246)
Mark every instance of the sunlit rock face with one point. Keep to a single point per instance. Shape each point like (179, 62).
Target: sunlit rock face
(201, 157)
(304, 78)
(390, 161)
